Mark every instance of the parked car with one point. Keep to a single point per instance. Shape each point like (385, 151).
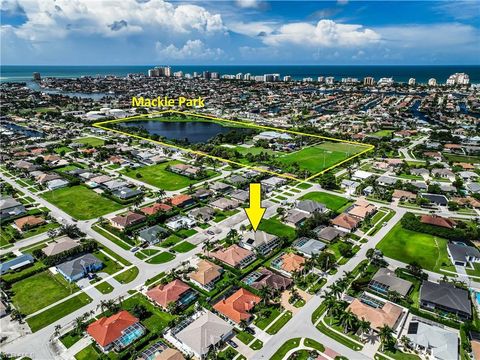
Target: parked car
(134, 249)
(250, 330)
(232, 344)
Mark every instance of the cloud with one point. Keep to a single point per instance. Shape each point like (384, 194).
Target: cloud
(193, 49)
(253, 29)
(326, 33)
(460, 10)
(249, 4)
(49, 20)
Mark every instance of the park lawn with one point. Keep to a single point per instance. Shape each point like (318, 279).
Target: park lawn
(46, 289)
(127, 276)
(57, 312)
(161, 258)
(81, 202)
(430, 252)
(158, 176)
(333, 202)
(157, 319)
(319, 157)
(92, 141)
(87, 353)
(276, 227)
(184, 247)
(104, 287)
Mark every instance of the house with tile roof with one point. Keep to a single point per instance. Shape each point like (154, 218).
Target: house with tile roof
(60, 245)
(288, 263)
(265, 277)
(175, 291)
(346, 222)
(234, 256)
(126, 220)
(237, 307)
(29, 222)
(116, 331)
(436, 220)
(206, 274)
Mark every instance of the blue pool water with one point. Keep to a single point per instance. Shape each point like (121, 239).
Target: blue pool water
(477, 295)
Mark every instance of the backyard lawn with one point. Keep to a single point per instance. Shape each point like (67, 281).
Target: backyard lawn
(157, 320)
(93, 141)
(81, 202)
(276, 227)
(87, 353)
(48, 288)
(333, 202)
(158, 176)
(408, 246)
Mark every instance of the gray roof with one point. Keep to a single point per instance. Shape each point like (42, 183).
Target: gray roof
(386, 180)
(328, 233)
(241, 195)
(473, 187)
(17, 262)
(208, 329)
(447, 295)
(419, 185)
(435, 198)
(126, 193)
(460, 251)
(394, 283)
(310, 206)
(257, 238)
(77, 266)
(8, 202)
(153, 233)
(443, 343)
(309, 246)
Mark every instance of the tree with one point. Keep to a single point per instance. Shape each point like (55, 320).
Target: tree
(232, 236)
(348, 320)
(364, 326)
(56, 331)
(243, 324)
(336, 289)
(386, 335)
(415, 269)
(161, 194)
(394, 296)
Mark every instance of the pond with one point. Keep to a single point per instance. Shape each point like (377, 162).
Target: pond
(192, 131)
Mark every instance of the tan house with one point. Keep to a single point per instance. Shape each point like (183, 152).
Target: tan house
(206, 275)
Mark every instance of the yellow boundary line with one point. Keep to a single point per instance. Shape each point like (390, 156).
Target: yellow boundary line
(101, 124)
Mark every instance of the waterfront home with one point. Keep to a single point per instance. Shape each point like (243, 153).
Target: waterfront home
(234, 256)
(237, 307)
(175, 291)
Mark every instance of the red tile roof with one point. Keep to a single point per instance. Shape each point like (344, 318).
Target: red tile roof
(155, 208)
(108, 329)
(237, 306)
(438, 221)
(165, 294)
(346, 221)
(180, 199)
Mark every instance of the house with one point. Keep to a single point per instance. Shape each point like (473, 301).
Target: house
(185, 170)
(369, 190)
(433, 155)
(237, 306)
(240, 195)
(468, 175)
(206, 275)
(116, 331)
(202, 194)
(308, 247)
(127, 220)
(182, 200)
(311, 207)
(160, 351)
(440, 200)
(445, 297)
(126, 193)
(346, 222)
(419, 185)
(462, 254)
(179, 222)
(349, 186)
(25, 165)
(361, 175)
(225, 204)
(9, 207)
(267, 278)
(436, 220)
(473, 188)
(432, 340)
(114, 184)
(272, 183)
(43, 178)
(377, 311)
(424, 173)
(464, 166)
(153, 234)
(175, 291)
(295, 217)
(259, 241)
(57, 184)
(234, 256)
(271, 136)
(220, 187)
(403, 195)
(328, 233)
(79, 267)
(386, 181)
(199, 333)
(155, 209)
(362, 209)
(237, 180)
(100, 179)
(444, 174)
(288, 263)
(16, 263)
(28, 222)
(385, 281)
(203, 214)
(60, 245)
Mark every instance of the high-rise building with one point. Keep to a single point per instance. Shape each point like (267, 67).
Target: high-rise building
(320, 79)
(411, 81)
(36, 76)
(178, 74)
(214, 76)
(329, 80)
(458, 79)
(206, 75)
(308, 79)
(239, 76)
(195, 74)
(167, 71)
(287, 78)
(247, 76)
(368, 81)
(432, 82)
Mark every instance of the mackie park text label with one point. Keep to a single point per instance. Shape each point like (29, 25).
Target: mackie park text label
(165, 101)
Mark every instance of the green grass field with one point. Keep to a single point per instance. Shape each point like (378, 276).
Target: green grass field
(319, 157)
(382, 133)
(333, 202)
(158, 176)
(161, 258)
(58, 311)
(87, 353)
(93, 141)
(127, 276)
(81, 202)
(47, 289)
(276, 227)
(183, 247)
(407, 246)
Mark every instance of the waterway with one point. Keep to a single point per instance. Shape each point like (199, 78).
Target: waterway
(22, 130)
(193, 132)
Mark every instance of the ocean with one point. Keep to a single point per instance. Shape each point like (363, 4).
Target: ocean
(14, 73)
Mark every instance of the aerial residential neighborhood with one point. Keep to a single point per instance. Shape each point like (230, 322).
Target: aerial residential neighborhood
(233, 211)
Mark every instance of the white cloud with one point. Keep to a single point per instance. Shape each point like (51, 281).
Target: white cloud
(56, 19)
(326, 33)
(192, 50)
(248, 4)
(253, 29)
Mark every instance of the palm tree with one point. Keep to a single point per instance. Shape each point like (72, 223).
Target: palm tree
(336, 290)
(394, 296)
(161, 194)
(386, 335)
(348, 320)
(364, 326)
(243, 324)
(405, 341)
(56, 331)
(232, 235)
(266, 292)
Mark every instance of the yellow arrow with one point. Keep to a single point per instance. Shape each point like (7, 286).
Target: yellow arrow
(255, 212)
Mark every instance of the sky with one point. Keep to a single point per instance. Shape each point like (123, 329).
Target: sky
(140, 32)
